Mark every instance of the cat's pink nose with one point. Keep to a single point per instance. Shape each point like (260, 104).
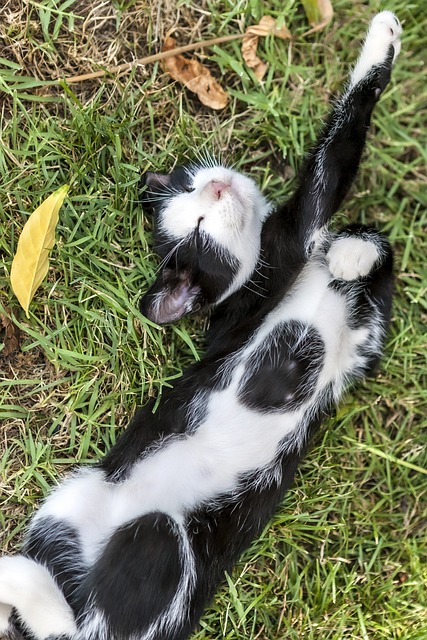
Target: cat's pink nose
(218, 187)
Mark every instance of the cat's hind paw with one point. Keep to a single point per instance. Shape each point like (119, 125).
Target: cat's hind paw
(351, 258)
(381, 45)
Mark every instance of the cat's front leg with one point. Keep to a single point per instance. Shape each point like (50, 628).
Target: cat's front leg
(381, 48)
(334, 161)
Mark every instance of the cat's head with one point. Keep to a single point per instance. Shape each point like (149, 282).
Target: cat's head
(207, 229)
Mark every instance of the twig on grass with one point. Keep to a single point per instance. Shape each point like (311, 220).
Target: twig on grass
(127, 66)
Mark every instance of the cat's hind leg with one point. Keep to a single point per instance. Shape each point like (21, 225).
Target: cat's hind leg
(360, 260)
(57, 545)
(29, 588)
(41, 584)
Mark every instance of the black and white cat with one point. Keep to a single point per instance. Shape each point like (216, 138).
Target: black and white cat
(134, 548)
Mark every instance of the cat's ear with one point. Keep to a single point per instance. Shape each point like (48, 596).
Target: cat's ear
(171, 297)
(153, 186)
(155, 181)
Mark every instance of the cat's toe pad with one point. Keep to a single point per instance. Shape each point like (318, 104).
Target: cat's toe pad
(351, 258)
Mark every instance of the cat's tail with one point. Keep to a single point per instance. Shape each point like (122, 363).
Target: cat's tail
(331, 167)
(29, 589)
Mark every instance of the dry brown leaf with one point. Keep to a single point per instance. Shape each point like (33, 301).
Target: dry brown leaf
(195, 76)
(10, 337)
(268, 26)
(249, 47)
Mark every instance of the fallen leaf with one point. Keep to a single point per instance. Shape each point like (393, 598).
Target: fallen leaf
(319, 13)
(266, 26)
(31, 261)
(195, 76)
(9, 336)
(249, 47)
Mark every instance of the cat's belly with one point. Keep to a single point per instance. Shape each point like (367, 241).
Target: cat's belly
(232, 440)
(179, 477)
(238, 434)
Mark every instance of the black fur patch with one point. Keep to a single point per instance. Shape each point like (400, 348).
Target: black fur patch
(283, 371)
(137, 575)
(60, 550)
(203, 267)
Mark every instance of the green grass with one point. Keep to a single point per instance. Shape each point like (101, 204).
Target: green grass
(346, 555)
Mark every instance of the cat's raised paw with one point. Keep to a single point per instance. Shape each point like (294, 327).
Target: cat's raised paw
(384, 32)
(352, 258)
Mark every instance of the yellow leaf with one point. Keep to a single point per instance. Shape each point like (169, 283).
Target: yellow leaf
(31, 260)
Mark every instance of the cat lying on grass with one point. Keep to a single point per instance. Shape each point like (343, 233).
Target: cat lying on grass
(135, 547)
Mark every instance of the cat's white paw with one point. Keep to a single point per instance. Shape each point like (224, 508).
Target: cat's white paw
(385, 30)
(351, 258)
(29, 587)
